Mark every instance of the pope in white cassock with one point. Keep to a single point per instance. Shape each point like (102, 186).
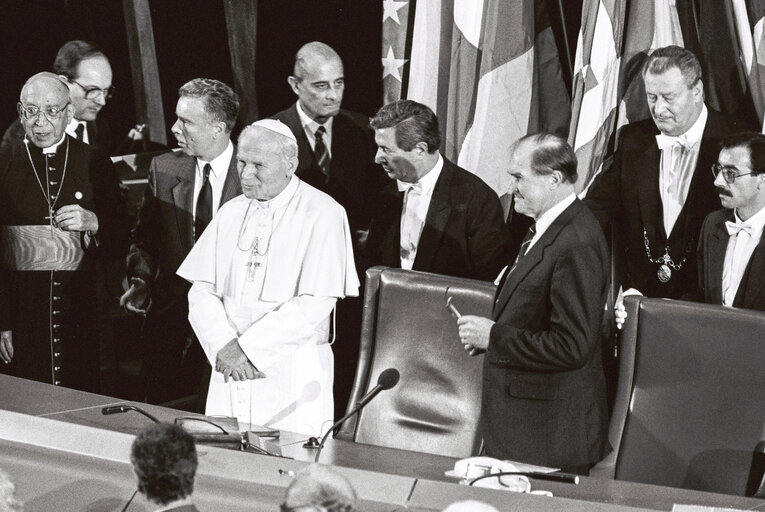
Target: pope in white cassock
(265, 275)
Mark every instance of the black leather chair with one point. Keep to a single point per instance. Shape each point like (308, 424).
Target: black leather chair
(691, 399)
(436, 405)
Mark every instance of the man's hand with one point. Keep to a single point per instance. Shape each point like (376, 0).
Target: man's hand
(620, 313)
(6, 346)
(232, 362)
(135, 299)
(474, 333)
(74, 217)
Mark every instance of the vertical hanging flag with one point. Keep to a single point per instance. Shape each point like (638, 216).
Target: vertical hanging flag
(395, 29)
(490, 70)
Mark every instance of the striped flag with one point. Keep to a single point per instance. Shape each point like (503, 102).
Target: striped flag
(750, 24)
(395, 34)
(608, 90)
(490, 70)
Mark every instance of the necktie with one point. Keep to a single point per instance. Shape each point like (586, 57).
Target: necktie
(521, 253)
(321, 153)
(79, 131)
(411, 224)
(203, 214)
(735, 227)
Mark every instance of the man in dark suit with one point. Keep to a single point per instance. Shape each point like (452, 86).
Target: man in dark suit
(658, 189)
(544, 398)
(185, 190)
(339, 160)
(435, 217)
(731, 251)
(86, 70)
(335, 155)
(164, 459)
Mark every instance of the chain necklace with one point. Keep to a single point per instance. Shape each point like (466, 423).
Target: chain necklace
(666, 265)
(46, 189)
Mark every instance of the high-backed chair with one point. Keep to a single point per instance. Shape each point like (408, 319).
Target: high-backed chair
(691, 399)
(436, 405)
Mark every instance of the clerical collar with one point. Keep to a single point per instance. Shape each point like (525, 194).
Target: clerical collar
(50, 150)
(311, 125)
(756, 221)
(282, 198)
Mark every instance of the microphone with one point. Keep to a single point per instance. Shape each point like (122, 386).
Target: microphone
(116, 409)
(387, 379)
(557, 476)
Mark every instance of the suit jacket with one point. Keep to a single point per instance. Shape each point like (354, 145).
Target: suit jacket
(464, 233)
(544, 399)
(163, 233)
(355, 180)
(711, 256)
(99, 134)
(627, 196)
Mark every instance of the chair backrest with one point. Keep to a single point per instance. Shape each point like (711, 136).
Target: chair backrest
(435, 407)
(691, 399)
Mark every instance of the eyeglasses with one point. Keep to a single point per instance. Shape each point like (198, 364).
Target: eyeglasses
(729, 173)
(32, 111)
(92, 92)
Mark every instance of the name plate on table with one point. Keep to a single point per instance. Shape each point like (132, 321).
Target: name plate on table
(40, 248)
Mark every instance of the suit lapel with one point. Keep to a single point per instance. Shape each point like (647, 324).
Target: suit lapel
(534, 257)
(753, 279)
(183, 199)
(651, 213)
(718, 244)
(435, 219)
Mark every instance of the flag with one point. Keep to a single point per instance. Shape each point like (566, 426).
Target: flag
(490, 71)
(395, 34)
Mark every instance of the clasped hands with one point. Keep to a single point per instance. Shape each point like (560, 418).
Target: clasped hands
(232, 362)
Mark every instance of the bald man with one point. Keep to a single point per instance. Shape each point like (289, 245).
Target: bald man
(265, 276)
(60, 211)
(336, 155)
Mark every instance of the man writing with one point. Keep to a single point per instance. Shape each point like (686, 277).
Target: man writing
(265, 276)
(185, 190)
(544, 398)
(659, 189)
(60, 211)
(435, 217)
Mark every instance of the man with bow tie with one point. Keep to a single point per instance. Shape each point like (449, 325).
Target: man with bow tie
(658, 189)
(435, 217)
(731, 253)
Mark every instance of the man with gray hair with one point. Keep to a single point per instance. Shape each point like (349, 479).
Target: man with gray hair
(319, 487)
(61, 213)
(185, 190)
(265, 277)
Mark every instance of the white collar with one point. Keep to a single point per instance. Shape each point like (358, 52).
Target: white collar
(427, 182)
(175, 504)
(310, 124)
(220, 163)
(282, 198)
(691, 138)
(51, 150)
(756, 221)
(548, 217)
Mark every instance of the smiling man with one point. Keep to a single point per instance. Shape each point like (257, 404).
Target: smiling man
(434, 216)
(658, 188)
(185, 190)
(266, 275)
(61, 212)
(731, 254)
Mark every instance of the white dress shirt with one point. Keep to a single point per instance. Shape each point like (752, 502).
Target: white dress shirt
(219, 165)
(678, 162)
(414, 211)
(740, 248)
(72, 127)
(310, 126)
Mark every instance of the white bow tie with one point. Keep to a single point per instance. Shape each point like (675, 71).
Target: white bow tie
(668, 142)
(403, 186)
(735, 227)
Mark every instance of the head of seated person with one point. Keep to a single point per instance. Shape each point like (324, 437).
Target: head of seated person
(319, 489)
(164, 460)
(8, 500)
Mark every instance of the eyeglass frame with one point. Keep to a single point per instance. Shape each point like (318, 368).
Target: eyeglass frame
(92, 92)
(729, 177)
(44, 111)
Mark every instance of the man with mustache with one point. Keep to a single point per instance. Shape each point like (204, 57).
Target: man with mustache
(658, 189)
(731, 251)
(434, 216)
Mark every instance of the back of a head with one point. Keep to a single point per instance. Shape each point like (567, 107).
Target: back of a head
(470, 506)
(164, 459)
(321, 486)
(414, 123)
(71, 54)
(662, 59)
(550, 153)
(221, 102)
(8, 500)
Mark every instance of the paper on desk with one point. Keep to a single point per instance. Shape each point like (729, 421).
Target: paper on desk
(699, 508)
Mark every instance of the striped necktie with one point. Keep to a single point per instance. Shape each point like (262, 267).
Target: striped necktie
(321, 153)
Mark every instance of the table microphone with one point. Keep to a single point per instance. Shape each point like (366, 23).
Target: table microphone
(387, 379)
(556, 476)
(116, 409)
